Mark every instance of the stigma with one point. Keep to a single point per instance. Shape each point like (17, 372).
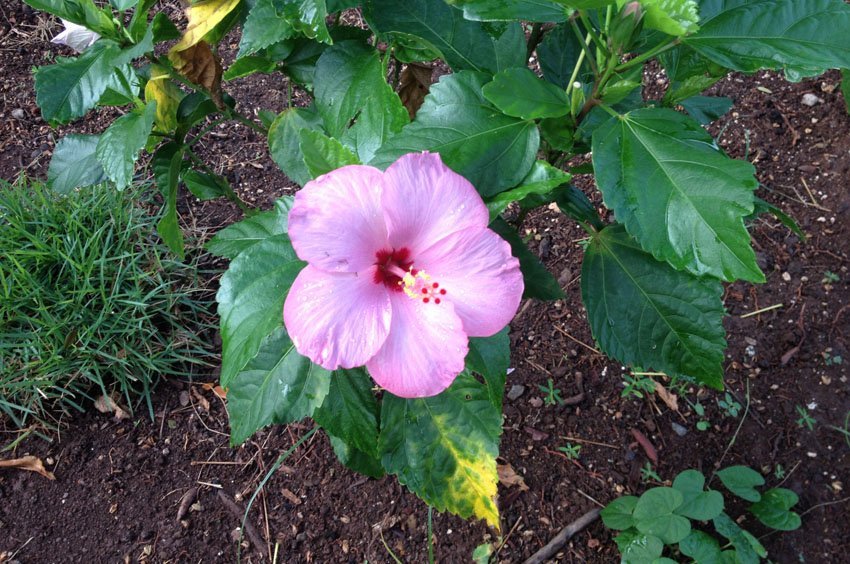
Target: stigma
(417, 284)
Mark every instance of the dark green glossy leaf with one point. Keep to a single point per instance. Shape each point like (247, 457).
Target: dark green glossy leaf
(558, 54)
(444, 448)
(74, 164)
(539, 282)
(742, 481)
(645, 313)
(706, 109)
(574, 203)
(166, 164)
(203, 185)
(245, 66)
(492, 150)
(617, 515)
(307, 17)
(263, 27)
(350, 87)
(638, 548)
(163, 28)
(490, 357)
(355, 459)
(123, 87)
(542, 179)
(773, 509)
(802, 38)
(278, 386)
(250, 300)
(235, 238)
(69, 89)
(508, 10)
(119, 146)
(693, 214)
(654, 515)
(698, 504)
(285, 141)
(350, 410)
(519, 93)
(702, 547)
(464, 44)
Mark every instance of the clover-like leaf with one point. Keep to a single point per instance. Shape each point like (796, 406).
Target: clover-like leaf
(773, 509)
(698, 504)
(702, 547)
(617, 515)
(742, 481)
(654, 515)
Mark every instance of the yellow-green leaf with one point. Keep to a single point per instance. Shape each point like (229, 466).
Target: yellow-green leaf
(203, 17)
(167, 96)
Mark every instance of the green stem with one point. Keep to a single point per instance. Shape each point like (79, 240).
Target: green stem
(430, 537)
(654, 52)
(204, 131)
(600, 45)
(574, 75)
(228, 191)
(233, 114)
(584, 47)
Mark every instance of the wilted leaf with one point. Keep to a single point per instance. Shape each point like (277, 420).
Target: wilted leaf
(31, 463)
(201, 66)
(414, 86)
(203, 17)
(508, 477)
(107, 404)
(668, 398)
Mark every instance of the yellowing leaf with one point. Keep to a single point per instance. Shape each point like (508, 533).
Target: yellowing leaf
(203, 17)
(201, 66)
(167, 96)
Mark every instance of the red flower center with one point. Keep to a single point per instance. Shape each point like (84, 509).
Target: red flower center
(392, 265)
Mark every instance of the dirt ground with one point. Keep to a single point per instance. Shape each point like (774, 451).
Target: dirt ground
(172, 490)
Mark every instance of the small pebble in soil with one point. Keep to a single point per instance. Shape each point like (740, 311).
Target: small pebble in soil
(18, 113)
(810, 99)
(515, 392)
(679, 429)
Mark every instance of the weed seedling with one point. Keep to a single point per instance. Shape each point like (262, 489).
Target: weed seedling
(830, 277)
(779, 472)
(647, 474)
(805, 419)
(831, 360)
(637, 386)
(552, 395)
(571, 451)
(702, 424)
(730, 407)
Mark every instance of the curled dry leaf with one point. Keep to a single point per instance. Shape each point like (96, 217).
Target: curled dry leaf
(216, 389)
(413, 86)
(508, 477)
(200, 66)
(107, 404)
(672, 400)
(31, 463)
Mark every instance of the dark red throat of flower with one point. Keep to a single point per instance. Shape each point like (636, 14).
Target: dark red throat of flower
(392, 264)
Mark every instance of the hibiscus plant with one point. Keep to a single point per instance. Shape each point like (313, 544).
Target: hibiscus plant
(376, 300)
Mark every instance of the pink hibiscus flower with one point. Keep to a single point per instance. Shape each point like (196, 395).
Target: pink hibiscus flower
(402, 269)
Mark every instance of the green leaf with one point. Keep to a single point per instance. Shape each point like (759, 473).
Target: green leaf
(245, 66)
(444, 448)
(323, 154)
(464, 44)
(67, 90)
(499, 10)
(617, 515)
(653, 515)
(203, 185)
(742, 481)
(236, 238)
(542, 179)
(539, 282)
(645, 313)
(82, 12)
(307, 17)
(285, 141)
(350, 87)
(74, 164)
(123, 87)
(163, 28)
(747, 547)
(845, 87)
(119, 146)
(492, 150)
(773, 509)
(689, 72)
(760, 207)
(490, 357)
(123, 5)
(802, 38)
(355, 459)
(558, 54)
(692, 216)
(519, 93)
(574, 203)
(350, 410)
(250, 300)
(702, 547)
(673, 17)
(638, 548)
(278, 385)
(706, 109)
(263, 27)
(698, 504)
(166, 164)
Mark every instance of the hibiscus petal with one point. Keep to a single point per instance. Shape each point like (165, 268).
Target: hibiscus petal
(424, 200)
(336, 223)
(337, 319)
(480, 276)
(424, 351)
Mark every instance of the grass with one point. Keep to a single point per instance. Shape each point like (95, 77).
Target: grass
(90, 301)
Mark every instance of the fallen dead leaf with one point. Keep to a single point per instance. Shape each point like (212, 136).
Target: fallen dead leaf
(294, 499)
(508, 477)
(672, 400)
(414, 85)
(202, 401)
(107, 404)
(31, 463)
(216, 389)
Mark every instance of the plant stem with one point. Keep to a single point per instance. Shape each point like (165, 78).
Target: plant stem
(655, 51)
(430, 537)
(228, 191)
(574, 75)
(233, 114)
(600, 45)
(584, 47)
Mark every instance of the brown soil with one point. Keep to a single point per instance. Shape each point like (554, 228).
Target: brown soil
(119, 485)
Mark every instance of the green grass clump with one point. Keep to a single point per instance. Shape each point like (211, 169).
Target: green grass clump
(90, 301)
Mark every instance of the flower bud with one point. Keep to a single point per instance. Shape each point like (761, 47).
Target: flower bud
(625, 27)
